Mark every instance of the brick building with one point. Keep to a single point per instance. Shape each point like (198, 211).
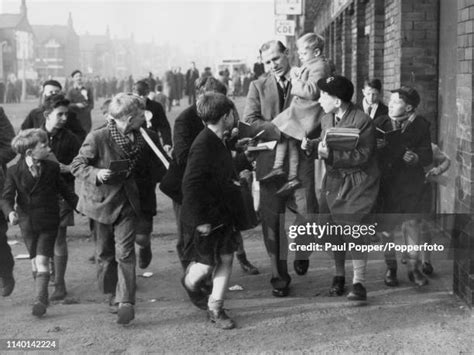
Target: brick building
(56, 50)
(427, 44)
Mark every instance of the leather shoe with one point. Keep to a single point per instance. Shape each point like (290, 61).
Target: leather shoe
(288, 188)
(39, 309)
(197, 297)
(358, 293)
(301, 266)
(246, 266)
(427, 268)
(8, 284)
(417, 277)
(144, 256)
(220, 319)
(125, 313)
(337, 288)
(275, 174)
(281, 292)
(391, 278)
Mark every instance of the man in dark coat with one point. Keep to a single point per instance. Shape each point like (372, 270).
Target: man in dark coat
(402, 186)
(267, 97)
(82, 100)
(191, 76)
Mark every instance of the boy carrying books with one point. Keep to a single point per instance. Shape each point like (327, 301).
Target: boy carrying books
(33, 184)
(402, 187)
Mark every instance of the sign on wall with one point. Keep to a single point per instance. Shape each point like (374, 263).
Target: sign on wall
(285, 27)
(288, 7)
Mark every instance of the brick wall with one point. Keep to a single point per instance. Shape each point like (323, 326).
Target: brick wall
(392, 46)
(347, 53)
(463, 282)
(375, 20)
(360, 49)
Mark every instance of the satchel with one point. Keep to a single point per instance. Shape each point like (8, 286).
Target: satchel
(245, 216)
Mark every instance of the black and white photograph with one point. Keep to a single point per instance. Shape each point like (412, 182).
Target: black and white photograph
(236, 176)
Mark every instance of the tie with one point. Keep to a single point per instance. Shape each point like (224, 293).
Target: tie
(35, 170)
(369, 111)
(283, 84)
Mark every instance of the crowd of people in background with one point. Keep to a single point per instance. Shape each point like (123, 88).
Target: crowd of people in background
(384, 165)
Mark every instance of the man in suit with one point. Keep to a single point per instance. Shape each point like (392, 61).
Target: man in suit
(191, 76)
(267, 97)
(111, 197)
(372, 104)
(158, 121)
(36, 118)
(82, 101)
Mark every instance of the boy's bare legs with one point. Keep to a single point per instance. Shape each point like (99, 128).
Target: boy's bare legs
(293, 182)
(411, 234)
(215, 305)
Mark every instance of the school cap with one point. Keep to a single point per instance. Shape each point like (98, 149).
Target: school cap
(409, 95)
(338, 86)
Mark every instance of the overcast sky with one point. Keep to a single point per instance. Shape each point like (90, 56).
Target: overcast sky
(234, 29)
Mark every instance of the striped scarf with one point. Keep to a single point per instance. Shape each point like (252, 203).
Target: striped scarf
(130, 149)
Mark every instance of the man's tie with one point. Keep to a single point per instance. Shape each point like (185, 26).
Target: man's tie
(369, 111)
(35, 170)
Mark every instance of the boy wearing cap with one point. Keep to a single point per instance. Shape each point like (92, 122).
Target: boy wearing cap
(403, 177)
(351, 184)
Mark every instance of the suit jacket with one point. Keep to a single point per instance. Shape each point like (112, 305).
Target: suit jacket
(262, 106)
(303, 117)
(159, 122)
(102, 202)
(7, 133)
(209, 192)
(36, 119)
(187, 126)
(402, 185)
(382, 110)
(36, 199)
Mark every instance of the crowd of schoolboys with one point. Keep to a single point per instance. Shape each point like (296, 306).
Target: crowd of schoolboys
(378, 176)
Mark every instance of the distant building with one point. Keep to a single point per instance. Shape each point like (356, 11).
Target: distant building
(56, 50)
(97, 54)
(16, 45)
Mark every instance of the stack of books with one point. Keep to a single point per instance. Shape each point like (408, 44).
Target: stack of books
(342, 138)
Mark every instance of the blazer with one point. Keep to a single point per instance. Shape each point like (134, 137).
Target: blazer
(382, 110)
(36, 199)
(209, 191)
(65, 146)
(159, 122)
(36, 119)
(102, 202)
(7, 133)
(187, 126)
(402, 185)
(262, 106)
